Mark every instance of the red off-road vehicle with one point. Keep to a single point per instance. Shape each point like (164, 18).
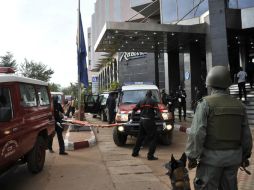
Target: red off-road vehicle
(26, 121)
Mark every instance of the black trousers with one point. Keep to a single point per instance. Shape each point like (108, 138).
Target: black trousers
(241, 86)
(59, 133)
(180, 107)
(111, 115)
(171, 109)
(147, 130)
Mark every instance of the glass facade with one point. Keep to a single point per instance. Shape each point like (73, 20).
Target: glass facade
(135, 3)
(174, 10)
(240, 4)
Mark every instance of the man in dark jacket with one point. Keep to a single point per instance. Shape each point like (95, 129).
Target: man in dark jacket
(58, 112)
(148, 107)
(181, 97)
(164, 97)
(111, 105)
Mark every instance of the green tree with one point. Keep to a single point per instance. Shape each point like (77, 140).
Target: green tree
(36, 70)
(8, 60)
(54, 87)
(71, 90)
(114, 86)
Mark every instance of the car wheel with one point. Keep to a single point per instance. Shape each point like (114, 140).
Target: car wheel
(166, 139)
(36, 157)
(119, 139)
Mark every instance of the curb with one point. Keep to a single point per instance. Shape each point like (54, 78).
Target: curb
(70, 146)
(181, 128)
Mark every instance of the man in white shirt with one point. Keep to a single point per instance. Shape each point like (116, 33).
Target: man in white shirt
(241, 75)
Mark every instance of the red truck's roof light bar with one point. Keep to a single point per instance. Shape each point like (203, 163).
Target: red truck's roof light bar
(6, 70)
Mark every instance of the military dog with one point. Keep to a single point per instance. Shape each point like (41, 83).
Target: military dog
(178, 173)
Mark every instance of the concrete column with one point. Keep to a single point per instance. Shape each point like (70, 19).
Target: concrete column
(104, 79)
(243, 56)
(217, 50)
(173, 70)
(195, 67)
(156, 69)
(181, 67)
(99, 82)
(166, 73)
(187, 79)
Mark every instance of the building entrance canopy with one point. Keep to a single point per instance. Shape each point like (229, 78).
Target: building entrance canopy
(147, 37)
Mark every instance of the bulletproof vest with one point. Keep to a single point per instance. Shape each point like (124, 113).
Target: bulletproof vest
(224, 122)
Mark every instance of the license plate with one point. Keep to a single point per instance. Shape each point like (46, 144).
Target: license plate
(90, 104)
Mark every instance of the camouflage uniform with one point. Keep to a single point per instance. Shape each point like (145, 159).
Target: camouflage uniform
(218, 164)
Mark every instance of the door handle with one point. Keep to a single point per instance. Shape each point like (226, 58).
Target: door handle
(15, 129)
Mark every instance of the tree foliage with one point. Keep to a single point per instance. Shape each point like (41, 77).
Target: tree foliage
(114, 86)
(8, 60)
(36, 70)
(54, 87)
(71, 90)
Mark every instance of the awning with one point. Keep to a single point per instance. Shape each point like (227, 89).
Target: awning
(147, 37)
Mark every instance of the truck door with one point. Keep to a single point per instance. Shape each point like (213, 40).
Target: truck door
(10, 149)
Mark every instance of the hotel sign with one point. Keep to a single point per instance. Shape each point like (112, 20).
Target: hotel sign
(132, 55)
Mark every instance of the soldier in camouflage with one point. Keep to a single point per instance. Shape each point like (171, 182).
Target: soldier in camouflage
(220, 140)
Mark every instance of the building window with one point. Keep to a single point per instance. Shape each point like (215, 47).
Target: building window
(6, 112)
(184, 8)
(89, 48)
(169, 11)
(89, 62)
(201, 7)
(240, 4)
(28, 97)
(43, 96)
(233, 4)
(175, 10)
(245, 3)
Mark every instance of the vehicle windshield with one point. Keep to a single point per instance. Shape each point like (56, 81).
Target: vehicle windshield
(134, 96)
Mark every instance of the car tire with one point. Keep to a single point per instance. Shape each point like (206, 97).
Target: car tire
(119, 139)
(166, 139)
(36, 157)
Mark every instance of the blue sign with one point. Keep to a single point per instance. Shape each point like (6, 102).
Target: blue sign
(187, 75)
(95, 79)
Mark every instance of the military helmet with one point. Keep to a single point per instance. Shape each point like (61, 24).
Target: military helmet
(218, 77)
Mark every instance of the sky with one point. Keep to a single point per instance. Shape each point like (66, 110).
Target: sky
(44, 31)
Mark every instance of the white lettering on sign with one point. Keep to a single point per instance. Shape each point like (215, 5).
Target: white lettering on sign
(9, 148)
(132, 55)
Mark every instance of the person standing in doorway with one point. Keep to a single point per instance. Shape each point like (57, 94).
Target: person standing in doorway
(164, 97)
(220, 139)
(171, 104)
(241, 75)
(181, 97)
(147, 127)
